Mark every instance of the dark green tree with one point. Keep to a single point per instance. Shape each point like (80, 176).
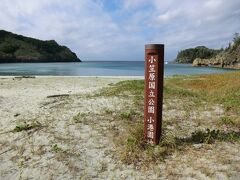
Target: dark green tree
(236, 38)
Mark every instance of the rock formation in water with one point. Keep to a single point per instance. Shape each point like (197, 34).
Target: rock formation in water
(230, 58)
(16, 48)
(223, 58)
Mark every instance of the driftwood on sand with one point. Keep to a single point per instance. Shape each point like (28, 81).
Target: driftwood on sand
(58, 95)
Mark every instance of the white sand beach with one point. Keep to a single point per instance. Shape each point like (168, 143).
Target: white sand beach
(57, 147)
(34, 154)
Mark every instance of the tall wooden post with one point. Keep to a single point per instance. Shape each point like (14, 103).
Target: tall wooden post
(154, 72)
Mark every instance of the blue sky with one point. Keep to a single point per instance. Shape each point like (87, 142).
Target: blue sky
(118, 29)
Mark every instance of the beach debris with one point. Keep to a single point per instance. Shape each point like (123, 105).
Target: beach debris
(16, 115)
(58, 95)
(6, 151)
(23, 77)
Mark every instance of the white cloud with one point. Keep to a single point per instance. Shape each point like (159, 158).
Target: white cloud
(95, 32)
(186, 23)
(168, 15)
(213, 4)
(82, 25)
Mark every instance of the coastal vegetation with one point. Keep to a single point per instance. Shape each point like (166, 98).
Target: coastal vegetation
(97, 131)
(17, 48)
(24, 126)
(195, 94)
(189, 55)
(202, 56)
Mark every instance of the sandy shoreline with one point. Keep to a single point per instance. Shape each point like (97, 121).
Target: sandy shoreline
(70, 137)
(37, 153)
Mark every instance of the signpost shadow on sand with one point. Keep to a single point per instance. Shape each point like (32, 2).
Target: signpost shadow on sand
(153, 100)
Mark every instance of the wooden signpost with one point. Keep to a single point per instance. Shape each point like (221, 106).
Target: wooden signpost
(154, 69)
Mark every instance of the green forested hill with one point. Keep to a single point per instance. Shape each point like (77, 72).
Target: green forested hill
(188, 55)
(17, 48)
(203, 56)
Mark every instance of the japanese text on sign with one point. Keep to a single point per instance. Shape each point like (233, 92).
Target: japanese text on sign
(151, 104)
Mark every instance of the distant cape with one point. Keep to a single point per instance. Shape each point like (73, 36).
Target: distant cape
(17, 48)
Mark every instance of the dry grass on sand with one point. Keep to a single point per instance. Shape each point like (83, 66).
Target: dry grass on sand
(91, 128)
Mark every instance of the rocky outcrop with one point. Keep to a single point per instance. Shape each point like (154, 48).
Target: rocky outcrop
(16, 48)
(226, 59)
(200, 62)
(188, 55)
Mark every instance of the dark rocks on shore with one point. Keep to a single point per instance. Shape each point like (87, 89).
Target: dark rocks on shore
(226, 59)
(222, 58)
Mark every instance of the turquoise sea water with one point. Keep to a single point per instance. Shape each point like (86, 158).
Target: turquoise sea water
(99, 68)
